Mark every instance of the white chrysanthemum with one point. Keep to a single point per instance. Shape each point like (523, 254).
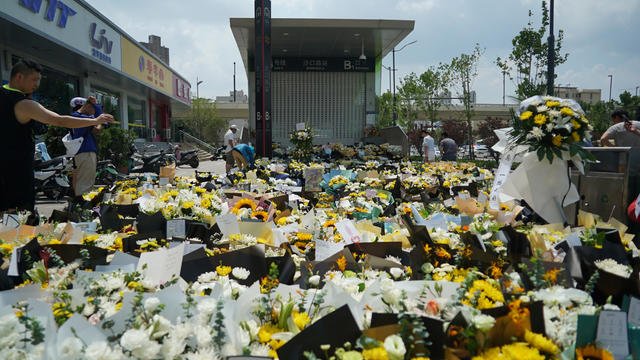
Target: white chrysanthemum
(537, 133)
(612, 267)
(542, 108)
(147, 352)
(71, 348)
(151, 304)
(207, 306)
(240, 273)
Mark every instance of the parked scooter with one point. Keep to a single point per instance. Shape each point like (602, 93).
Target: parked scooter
(141, 162)
(188, 157)
(50, 178)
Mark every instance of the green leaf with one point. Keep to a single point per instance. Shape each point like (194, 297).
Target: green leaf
(550, 155)
(573, 149)
(540, 153)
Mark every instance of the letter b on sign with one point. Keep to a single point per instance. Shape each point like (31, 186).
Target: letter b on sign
(348, 65)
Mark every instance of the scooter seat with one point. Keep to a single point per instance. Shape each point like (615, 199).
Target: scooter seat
(52, 162)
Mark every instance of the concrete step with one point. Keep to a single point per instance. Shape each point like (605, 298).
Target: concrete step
(204, 156)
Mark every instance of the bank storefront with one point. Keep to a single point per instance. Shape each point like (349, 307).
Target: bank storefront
(82, 54)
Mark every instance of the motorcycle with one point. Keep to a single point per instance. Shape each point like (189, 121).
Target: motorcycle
(141, 162)
(50, 178)
(188, 157)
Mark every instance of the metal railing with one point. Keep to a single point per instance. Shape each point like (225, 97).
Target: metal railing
(185, 136)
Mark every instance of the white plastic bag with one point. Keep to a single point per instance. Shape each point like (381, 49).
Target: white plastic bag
(72, 145)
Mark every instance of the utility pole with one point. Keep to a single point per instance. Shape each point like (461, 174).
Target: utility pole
(610, 84)
(637, 90)
(234, 81)
(198, 82)
(551, 54)
(504, 74)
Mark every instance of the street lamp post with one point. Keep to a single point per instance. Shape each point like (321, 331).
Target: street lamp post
(637, 90)
(610, 84)
(234, 81)
(198, 82)
(394, 51)
(388, 68)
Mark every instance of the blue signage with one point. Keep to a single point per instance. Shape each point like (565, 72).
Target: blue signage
(50, 13)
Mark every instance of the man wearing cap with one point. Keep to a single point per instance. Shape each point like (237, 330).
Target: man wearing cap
(17, 113)
(229, 142)
(86, 159)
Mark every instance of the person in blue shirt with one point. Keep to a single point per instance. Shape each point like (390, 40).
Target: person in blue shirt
(84, 175)
(244, 155)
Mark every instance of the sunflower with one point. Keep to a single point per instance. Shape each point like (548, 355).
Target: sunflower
(304, 236)
(262, 215)
(328, 224)
(592, 352)
(243, 204)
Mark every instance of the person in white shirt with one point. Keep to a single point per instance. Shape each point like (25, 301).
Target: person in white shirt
(428, 147)
(229, 142)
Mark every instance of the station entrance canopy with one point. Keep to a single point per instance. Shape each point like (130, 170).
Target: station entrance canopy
(318, 73)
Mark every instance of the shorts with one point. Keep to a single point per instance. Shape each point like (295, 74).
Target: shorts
(86, 163)
(229, 158)
(240, 161)
(431, 156)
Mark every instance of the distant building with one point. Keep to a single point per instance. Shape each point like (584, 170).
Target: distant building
(590, 96)
(155, 46)
(241, 97)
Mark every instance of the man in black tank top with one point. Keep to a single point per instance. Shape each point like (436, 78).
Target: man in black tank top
(17, 113)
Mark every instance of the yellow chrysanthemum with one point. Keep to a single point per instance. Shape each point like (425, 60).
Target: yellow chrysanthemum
(187, 205)
(552, 103)
(540, 119)
(376, 353)
(304, 236)
(540, 342)
(223, 270)
(557, 140)
(301, 319)
(526, 115)
(575, 136)
(567, 111)
(205, 203)
(266, 331)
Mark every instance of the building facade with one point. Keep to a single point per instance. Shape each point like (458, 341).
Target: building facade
(590, 96)
(83, 53)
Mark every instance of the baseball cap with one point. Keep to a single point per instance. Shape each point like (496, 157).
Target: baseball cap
(78, 101)
(233, 127)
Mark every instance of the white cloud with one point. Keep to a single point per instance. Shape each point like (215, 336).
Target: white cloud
(415, 5)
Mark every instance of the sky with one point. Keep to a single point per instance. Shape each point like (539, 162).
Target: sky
(601, 37)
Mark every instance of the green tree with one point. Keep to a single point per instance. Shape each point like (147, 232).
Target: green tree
(526, 65)
(202, 121)
(407, 93)
(629, 102)
(385, 106)
(431, 86)
(599, 115)
(462, 71)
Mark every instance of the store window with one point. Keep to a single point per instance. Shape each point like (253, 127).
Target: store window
(109, 100)
(56, 89)
(138, 121)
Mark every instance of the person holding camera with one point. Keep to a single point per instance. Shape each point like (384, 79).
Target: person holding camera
(624, 131)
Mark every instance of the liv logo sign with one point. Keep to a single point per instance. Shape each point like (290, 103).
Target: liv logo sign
(50, 13)
(100, 44)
